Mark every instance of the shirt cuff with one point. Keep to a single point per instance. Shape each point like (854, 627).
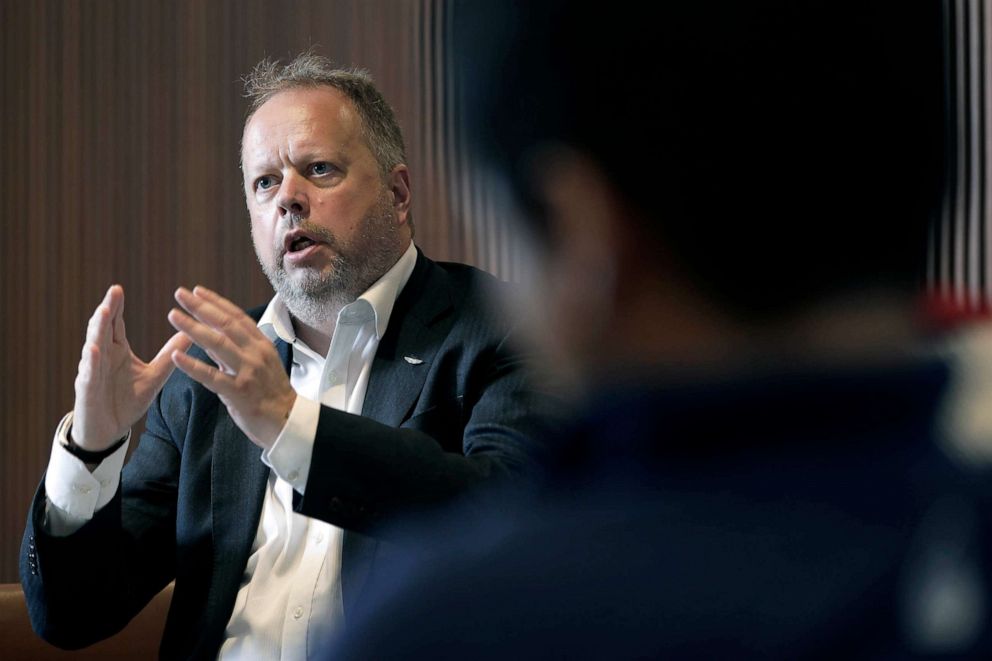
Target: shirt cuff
(73, 493)
(289, 457)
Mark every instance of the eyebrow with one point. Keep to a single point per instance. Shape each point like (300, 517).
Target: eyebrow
(310, 155)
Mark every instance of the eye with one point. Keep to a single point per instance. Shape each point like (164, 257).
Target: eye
(265, 182)
(321, 168)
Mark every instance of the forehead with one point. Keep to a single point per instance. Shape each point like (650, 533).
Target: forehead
(297, 119)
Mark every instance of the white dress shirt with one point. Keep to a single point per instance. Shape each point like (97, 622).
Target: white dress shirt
(290, 594)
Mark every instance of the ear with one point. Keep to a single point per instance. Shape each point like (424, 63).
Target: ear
(399, 186)
(584, 216)
(575, 295)
(589, 218)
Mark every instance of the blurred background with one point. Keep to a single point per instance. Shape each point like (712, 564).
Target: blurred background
(120, 124)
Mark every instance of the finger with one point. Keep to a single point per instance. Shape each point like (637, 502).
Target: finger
(89, 362)
(211, 377)
(217, 361)
(217, 344)
(93, 345)
(178, 342)
(161, 366)
(108, 296)
(116, 305)
(232, 324)
(112, 300)
(217, 299)
(119, 334)
(98, 328)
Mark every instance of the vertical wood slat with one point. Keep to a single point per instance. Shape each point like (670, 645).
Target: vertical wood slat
(119, 148)
(960, 257)
(943, 282)
(986, 184)
(961, 162)
(973, 286)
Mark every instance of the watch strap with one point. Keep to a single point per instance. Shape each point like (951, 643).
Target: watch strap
(91, 456)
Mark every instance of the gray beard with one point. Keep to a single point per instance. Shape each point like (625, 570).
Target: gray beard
(316, 298)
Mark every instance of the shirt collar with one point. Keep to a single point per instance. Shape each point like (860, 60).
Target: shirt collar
(275, 322)
(383, 293)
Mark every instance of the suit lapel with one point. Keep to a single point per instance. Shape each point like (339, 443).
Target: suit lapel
(238, 476)
(394, 387)
(395, 383)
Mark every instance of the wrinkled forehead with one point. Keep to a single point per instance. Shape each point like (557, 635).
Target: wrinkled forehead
(301, 117)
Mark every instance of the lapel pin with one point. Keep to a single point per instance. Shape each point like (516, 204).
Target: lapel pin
(413, 360)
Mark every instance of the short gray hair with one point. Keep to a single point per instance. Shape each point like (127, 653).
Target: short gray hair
(382, 133)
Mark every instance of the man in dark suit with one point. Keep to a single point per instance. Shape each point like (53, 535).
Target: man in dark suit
(375, 383)
(730, 201)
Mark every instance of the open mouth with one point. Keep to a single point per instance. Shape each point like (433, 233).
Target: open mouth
(300, 243)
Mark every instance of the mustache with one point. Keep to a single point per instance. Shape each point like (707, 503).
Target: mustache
(322, 234)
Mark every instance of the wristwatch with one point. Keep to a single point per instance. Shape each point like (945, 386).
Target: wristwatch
(90, 456)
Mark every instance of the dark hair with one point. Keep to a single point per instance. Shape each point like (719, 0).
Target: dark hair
(379, 127)
(783, 151)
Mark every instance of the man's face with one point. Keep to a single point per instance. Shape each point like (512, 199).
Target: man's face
(324, 222)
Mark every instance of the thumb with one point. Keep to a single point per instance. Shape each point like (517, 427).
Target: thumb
(161, 365)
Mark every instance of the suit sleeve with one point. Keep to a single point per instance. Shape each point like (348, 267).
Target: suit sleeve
(477, 429)
(86, 586)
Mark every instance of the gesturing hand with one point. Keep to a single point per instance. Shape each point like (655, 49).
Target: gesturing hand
(249, 378)
(114, 387)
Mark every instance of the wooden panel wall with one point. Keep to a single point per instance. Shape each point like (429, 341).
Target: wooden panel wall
(119, 131)
(960, 264)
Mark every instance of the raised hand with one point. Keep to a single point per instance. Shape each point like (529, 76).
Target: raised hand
(250, 378)
(114, 388)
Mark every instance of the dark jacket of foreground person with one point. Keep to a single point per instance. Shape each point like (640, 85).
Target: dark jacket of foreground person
(796, 514)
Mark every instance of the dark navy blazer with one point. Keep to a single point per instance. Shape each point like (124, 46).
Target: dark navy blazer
(191, 495)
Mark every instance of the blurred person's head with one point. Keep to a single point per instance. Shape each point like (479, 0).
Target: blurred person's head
(706, 179)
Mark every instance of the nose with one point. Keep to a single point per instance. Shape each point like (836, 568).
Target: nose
(292, 198)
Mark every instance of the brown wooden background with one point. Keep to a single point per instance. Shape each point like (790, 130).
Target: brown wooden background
(119, 130)
(960, 265)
